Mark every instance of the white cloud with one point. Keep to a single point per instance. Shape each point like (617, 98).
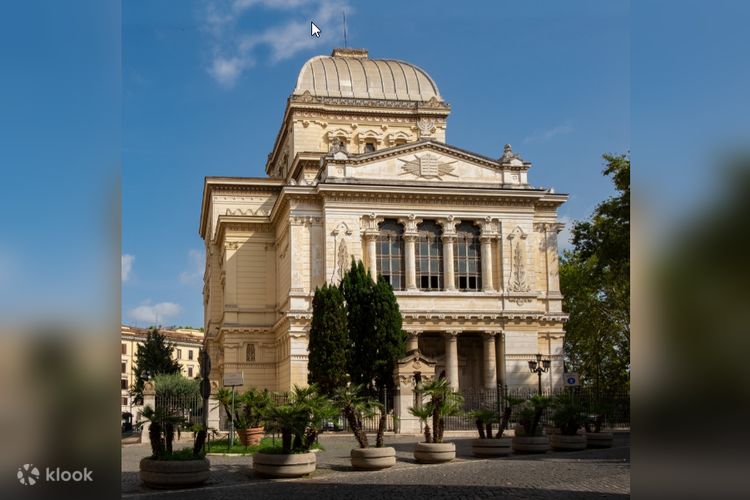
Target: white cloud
(127, 266)
(233, 52)
(196, 267)
(155, 313)
(545, 135)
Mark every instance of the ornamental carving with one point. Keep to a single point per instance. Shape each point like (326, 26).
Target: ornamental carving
(517, 281)
(342, 259)
(426, 127)
(370, 224)
(509, 155)
(427, 166)
(410, 224)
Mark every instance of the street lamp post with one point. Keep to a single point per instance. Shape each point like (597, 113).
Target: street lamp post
(539, 366)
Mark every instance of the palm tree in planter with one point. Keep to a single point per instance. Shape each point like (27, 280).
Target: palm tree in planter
(489, 445)
(253, 404)
(528, 437)
(356, 407)
(442, 402)
(299, 421)
(166, 468)
(568, 419)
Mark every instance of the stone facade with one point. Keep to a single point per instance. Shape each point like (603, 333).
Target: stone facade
(360, 169)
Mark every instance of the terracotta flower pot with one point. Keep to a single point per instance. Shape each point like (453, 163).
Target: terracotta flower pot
(561, 442)
(251, 436)
(280, 465)
(434, 453)
(167, 474)
(373, 458)
(491, 447)
(599, 439)
(530, 444)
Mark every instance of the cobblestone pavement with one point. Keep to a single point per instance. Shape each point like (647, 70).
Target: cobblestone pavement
(580, 475)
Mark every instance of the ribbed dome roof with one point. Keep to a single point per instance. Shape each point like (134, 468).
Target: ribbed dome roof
(351, 73)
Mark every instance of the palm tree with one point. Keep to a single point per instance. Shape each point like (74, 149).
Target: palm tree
(423, 413)
(443, 402)
(355, 407)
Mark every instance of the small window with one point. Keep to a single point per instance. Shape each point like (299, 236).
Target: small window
(124, 348)
(369, 147)
(190, 354)
(123, 384)
(124, 401)
(190, 372)
(179, 353)
(124, 367)
(250, 352)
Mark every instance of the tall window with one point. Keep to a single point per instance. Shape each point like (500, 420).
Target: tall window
(190, 371)
(250, 352)
(179, 353)
(190, 354)
(390, 253)
(429, 256)
(124, 348)
(467, 257)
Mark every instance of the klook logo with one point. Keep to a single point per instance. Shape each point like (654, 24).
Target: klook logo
(27, 474)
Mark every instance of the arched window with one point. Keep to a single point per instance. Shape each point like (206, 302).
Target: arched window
(429, 258)
(390, 250)
(467, 257)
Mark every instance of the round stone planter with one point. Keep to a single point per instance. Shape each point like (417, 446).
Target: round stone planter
(530, 444)
(491, 447)
(434, 453)
(251, 436)
(599, 439)
(167, 474)
(373, 458)
(560, 442)
(279, 465)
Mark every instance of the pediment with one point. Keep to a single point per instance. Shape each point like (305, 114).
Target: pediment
(427, 162)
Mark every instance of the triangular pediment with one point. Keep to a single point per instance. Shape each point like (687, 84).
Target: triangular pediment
(421, 162)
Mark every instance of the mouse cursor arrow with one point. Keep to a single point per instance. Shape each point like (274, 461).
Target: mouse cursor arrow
(314, 30)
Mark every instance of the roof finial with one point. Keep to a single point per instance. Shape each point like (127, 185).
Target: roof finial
(344, 14)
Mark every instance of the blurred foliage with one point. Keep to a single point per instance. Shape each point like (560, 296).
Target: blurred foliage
(595, 282)
(176, 386)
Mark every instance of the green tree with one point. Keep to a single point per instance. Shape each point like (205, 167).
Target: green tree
(329, 341)
(595, 282)
(375, 330)
(154, 357)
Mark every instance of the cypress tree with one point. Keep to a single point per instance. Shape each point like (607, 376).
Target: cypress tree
(390, 339)
(329, 340)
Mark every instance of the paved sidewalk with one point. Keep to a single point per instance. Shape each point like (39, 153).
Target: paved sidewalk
(580, 475)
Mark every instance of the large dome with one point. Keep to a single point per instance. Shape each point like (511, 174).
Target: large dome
(351, 73)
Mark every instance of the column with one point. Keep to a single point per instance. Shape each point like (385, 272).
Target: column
(410, 224)
(372, 255)
(449, 237)
(451, 358)
(409, 262)
(500, 269)
(488, 234)
(500, 358)
(412, 343)
(449, 274)
(487, 264)
(490, 373)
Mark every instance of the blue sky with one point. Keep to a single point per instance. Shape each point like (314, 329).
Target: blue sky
(204, 90)
(155, 95)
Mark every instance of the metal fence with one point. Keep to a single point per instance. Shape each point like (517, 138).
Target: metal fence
(188, 407)
(615, 406)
